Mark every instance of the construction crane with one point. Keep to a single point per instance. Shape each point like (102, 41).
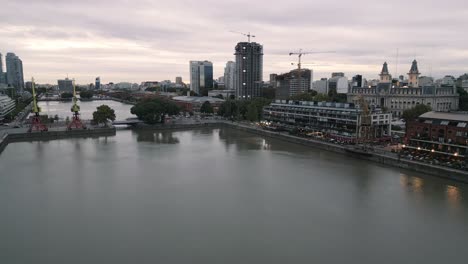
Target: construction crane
(300, 53)
(36, 123)
(366, 134)
(248, 35)
(76, 121)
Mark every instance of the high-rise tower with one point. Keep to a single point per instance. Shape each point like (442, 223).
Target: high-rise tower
(249, 70)
(2, 76)
(413, 75)
(14, 67)
(201, 77)
(229, 75)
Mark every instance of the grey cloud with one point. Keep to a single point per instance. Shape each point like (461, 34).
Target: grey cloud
(159, 38)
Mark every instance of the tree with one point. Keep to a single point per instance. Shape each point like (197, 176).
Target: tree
(463, 101)
(304, 96)
(252, 114)
(321, 98)
(86, 94)
(413, 113)
(269, 93)
(152, 111)
(152, 89)
(206, 108)
(103, 114)
(66, 95)
(243, 109)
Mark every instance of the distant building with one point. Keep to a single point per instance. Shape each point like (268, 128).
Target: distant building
(249, 70)
(149, 84)
(321, 86)
(2, 74)
(178, 80)
(426, 81)
(201, 76)
(273, 80)
(28, 85)
(338, 74)
(14, 74)
(293, 83)
(342, 121)
(357, 81)
(399, 98)
(97, 84)
(124, 85)
(229, 75)
(339, 84)
(224, 93)
(65, 85)
(7, 105)
(447, 81)
(194, 103)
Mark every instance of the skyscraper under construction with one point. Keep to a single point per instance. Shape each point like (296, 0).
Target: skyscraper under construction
(249, 70)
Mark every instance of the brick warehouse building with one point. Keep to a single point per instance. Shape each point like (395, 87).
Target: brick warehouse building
(445, 133)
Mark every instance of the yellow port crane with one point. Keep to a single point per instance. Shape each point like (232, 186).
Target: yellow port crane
(75, 109)
(36, 123)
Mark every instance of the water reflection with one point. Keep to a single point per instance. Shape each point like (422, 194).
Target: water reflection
(453, 196)
(413, 184)
(159, 137)
(240, 140)
(435, 187)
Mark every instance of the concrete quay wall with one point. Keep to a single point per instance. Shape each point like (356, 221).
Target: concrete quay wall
(54, 135)
(419, 167)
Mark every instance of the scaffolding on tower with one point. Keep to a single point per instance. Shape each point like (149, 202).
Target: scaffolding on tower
(36, 123)
(76, 122)
(367, 133)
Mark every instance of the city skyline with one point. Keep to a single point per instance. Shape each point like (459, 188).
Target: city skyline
(84, 41)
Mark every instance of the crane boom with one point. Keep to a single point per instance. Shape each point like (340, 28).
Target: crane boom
(248, 35)
(300, 53)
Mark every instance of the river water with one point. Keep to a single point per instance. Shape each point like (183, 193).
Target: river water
(62, 109)
(219, 196)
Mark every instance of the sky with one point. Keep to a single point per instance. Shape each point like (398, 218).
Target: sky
(139, 40)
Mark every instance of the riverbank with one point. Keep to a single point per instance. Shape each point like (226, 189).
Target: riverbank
(384, 158)
(387, 159)
(381, 158)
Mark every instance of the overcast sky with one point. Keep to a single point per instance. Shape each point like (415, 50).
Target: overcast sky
(137, 40)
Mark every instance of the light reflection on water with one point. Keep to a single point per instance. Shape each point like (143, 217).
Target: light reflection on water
(453, 196)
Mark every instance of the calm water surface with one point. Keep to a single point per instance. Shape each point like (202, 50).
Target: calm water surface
(219, 196)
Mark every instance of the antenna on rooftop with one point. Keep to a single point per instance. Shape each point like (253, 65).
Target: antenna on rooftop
(397, 54)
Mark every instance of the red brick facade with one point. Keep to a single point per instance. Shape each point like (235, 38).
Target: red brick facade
(438, 132)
